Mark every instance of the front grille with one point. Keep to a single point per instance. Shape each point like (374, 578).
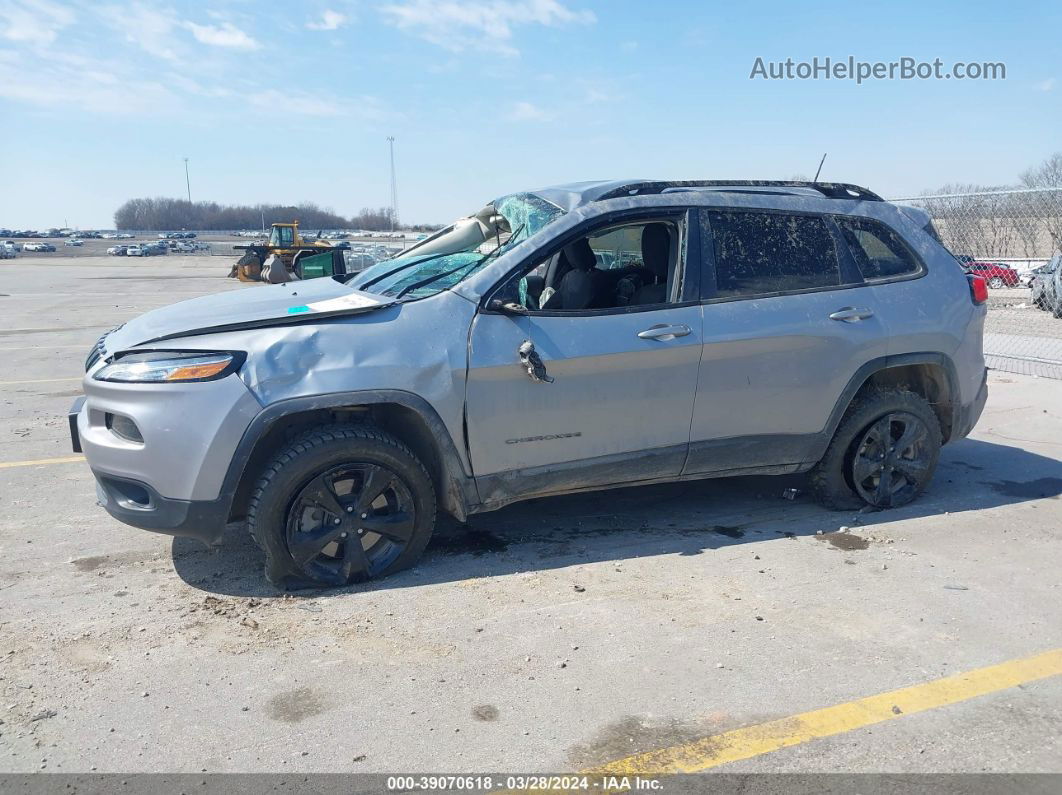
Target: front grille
(99, 350)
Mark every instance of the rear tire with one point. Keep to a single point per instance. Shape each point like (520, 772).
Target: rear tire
(341, 504)
(995, 282)
(883, 453)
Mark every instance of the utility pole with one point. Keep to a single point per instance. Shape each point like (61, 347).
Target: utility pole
(394, 184)
(187, 182)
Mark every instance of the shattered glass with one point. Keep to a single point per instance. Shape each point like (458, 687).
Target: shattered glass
(528, 212)
(420, 276)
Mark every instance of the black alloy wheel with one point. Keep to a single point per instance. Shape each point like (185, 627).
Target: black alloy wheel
(350, 523)
(892, 461)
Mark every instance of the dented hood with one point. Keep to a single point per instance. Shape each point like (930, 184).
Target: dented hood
(272, 305)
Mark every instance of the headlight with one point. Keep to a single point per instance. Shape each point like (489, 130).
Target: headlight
(153, 367)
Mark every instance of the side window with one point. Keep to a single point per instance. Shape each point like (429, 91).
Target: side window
(620, 266)
(878, 251)
(758, 253)
(619, 247)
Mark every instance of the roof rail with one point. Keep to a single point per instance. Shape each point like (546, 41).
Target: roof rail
(831, 190)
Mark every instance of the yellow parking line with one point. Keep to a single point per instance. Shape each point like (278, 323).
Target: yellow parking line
(41, 462)
(763, 738)
(42, 380)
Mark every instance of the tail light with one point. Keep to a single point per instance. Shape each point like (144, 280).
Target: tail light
(978, 289)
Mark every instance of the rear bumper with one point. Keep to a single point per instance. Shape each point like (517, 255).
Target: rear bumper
(137, 504)
(970, 413)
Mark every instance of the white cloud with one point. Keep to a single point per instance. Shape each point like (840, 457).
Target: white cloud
(149, 28)
(300, 104)
(152, 29)
(200, 89)
(66, 80)
(525, 111)
(295, 104)
(597, 96)
(224, 35)
(466, 24)
(33, 21)
(330, 20)
(1046, 85)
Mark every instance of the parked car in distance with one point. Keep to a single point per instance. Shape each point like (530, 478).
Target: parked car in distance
(1038, 279)
(74, 242)
(752, 327)
(125, 236)
(995, 273)
(7, 251)
(117, 251)
(1049, 287)
(134, 251)
(38, 246)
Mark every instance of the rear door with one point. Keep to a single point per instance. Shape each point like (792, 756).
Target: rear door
(918, 317)
(787, 323)
(618, 406)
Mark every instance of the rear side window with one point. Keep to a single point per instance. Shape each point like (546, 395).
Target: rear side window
(760, 253)
(878, 251)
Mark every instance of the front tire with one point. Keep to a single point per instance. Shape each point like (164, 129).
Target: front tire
(339, 505)
(995, 282)
(883, 453)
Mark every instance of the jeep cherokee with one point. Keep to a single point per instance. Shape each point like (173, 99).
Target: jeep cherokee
(578, 337)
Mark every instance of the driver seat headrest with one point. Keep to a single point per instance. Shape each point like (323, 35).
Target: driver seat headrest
(579, 255)
(656, 249)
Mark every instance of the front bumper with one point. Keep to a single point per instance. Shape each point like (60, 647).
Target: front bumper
(188, 432)
(171, 480)
(137, 504)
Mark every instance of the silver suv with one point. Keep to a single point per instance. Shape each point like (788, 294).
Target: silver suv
(567, 339)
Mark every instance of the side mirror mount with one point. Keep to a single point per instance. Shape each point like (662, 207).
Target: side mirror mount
(506, 307)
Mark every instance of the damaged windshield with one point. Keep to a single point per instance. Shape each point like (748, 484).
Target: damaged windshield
(455, 253)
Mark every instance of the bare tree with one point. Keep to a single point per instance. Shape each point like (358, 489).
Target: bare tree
(1002, 221)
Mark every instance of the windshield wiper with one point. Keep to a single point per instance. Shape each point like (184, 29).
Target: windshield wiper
(470, 266)
(435, 277)
(399, 269)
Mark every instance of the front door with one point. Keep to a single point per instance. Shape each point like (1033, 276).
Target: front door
(612, 396)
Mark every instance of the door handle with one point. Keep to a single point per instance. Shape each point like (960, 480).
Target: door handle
(851, 314)
(532, 363)
(665, 332)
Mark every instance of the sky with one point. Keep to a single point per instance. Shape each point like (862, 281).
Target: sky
(101, 100)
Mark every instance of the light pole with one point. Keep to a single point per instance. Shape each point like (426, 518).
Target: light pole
(394, 184)
(187, 182)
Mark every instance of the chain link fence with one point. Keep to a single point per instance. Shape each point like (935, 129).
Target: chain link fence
(1005, 235)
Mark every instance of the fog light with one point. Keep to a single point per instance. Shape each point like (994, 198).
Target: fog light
(124, 428)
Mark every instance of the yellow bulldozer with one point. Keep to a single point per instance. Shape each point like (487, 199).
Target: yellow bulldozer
(286, 256)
